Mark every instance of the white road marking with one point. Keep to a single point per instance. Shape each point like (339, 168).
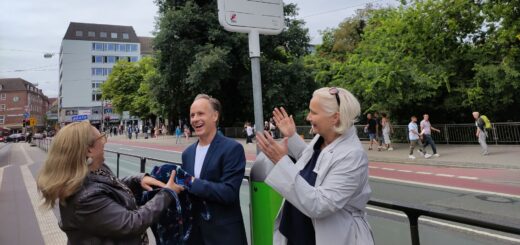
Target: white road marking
(445, 175)
(456, 227)
(425, 173)
(389, 169)
(373, 167)
(467, 177)
(2, 174)
(447, 187)
(47, 221)
(404, 171)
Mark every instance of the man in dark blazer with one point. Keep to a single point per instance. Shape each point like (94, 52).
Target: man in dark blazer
(217, 165)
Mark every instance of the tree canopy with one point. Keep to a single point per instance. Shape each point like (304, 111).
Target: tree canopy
(196, 55)
(445, 58)
(128, 87)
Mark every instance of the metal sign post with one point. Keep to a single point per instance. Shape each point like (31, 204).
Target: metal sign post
(255, 18)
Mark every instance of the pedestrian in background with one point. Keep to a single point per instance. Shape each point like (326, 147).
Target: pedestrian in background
(249, 133)
(187, 132)
(379, 131)
(426, 132)
(326, 191)
(371, 130)
(129, 131)
(178, 134)
(413, 135)
(481, 133)
(387, 130)
(95, 206)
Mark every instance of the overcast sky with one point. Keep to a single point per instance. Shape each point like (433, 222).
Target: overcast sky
(31, 28)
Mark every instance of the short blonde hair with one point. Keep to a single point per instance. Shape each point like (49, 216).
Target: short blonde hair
(65, 168)
(349, 108)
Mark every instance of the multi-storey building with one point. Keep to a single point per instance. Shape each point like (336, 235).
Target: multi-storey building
(88, 53)
(20, 100)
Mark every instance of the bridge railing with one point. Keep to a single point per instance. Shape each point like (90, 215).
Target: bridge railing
(413, 212)
(500, 133)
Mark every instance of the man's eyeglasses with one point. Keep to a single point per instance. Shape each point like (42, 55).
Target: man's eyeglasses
(334, 91)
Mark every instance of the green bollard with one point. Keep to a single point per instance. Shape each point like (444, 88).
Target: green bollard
(265, 203)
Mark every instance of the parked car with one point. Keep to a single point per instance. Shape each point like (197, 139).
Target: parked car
(15, 137)
(3, 139)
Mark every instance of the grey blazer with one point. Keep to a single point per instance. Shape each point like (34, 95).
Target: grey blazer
(102, 212)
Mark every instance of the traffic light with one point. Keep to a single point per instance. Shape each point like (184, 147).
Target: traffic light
(24, 123)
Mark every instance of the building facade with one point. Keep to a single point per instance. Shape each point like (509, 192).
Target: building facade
(21, 100)
(88, 53)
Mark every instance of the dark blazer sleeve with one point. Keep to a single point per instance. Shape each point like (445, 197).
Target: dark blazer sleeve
(102, 216)
(226, 190)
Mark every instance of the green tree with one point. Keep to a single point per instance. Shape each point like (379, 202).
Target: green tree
(128, 87)
(445, 57)
(196, 55)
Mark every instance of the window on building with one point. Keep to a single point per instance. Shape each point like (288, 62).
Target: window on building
(111, 59)
(134, 59)
(3, 96)
(2, 107)
(91, 34)
(98, 46)
(122, 48)
(111, 47)
(99, 59)
(79, 33)
(125, 35)
(96, 96)
(113, 35)
(134, 47)
(2, 119)
(128, 47)
(103, 34)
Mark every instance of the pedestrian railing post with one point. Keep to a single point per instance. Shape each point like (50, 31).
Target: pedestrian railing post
(413, 218)
(495, 136)
(117, 165)
(143, 164)
(446, 135)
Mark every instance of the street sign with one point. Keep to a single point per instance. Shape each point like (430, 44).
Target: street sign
(26, 115)
(77, 118)
(32, 121)
(264, 16)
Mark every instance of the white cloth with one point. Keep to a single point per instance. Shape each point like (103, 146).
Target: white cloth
(386, 132)
(413, 131)
(249, 130)
(426, 127)
(200, 154)
(336, 203)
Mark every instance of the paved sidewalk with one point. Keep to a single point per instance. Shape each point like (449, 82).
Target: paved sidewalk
(501, 156)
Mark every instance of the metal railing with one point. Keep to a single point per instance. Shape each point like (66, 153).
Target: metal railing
(500, 133)
(413, 212)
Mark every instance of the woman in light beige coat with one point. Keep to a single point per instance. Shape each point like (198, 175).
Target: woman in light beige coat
(328, 187)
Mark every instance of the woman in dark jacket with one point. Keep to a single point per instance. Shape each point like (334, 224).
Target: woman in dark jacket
(95, 206)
